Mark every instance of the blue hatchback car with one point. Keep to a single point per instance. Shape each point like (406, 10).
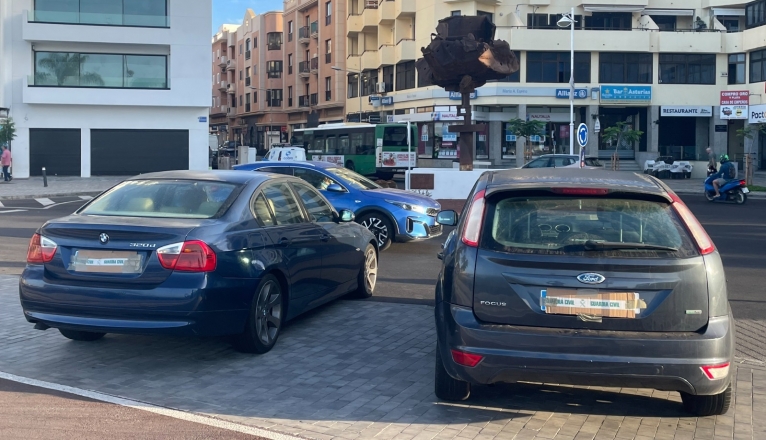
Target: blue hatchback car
(391, 214)
(195, 253)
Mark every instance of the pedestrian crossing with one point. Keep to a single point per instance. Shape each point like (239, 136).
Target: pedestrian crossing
(39, 203)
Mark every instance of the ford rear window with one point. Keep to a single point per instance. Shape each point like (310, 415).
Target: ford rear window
(587, 226)
(164, 198)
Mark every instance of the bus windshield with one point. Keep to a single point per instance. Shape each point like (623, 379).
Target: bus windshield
(356, 180)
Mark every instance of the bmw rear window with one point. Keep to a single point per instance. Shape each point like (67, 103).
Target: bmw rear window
(165, 199)
(587, 226)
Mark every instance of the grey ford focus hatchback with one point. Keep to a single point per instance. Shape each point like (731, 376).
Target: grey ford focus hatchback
(563, 276)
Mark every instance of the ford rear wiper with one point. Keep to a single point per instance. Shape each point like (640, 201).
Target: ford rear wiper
(591, 245)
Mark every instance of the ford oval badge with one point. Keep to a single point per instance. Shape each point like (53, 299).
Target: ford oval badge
(591, 278)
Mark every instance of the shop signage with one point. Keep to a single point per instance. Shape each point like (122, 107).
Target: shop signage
(620, 94)
(336, 159)
(456, 96)
(391, 159)
(692, 111)
(564, 93)
(757, 114)
(202, 118)
(735, 97)
(446, 116)
(387, 100)
(734, 112)
(510, 138)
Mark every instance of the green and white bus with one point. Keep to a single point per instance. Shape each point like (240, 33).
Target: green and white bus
(368, 149)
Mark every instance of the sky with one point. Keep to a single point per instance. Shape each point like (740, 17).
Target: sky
(232, 11)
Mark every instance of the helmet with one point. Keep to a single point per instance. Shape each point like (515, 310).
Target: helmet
(724, 158)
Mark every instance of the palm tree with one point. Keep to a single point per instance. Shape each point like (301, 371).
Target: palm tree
(62, 66)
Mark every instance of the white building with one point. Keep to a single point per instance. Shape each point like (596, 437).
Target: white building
(119, 87)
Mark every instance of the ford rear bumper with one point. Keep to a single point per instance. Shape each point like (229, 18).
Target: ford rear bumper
(663, 361)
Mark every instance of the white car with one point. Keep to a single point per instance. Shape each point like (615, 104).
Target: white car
(563, 161)
(681, 169)
(286, 154)
(659, 167)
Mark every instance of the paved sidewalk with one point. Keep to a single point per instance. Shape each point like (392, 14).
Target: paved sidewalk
(359, 370)
(57, 186)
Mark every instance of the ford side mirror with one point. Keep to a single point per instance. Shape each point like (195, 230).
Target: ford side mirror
(334, 187)
(447, 218)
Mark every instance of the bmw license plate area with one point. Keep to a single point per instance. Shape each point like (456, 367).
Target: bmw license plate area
(745, 190)
(106, 262)
(591, 303)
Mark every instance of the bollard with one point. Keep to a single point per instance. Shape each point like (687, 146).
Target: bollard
(45, 178)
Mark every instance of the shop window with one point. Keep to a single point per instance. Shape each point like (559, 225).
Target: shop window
(736, 68)
(508, 144)
(687, 69)
(482, 145)
(554, 67)
(622, 68)
(758, 66)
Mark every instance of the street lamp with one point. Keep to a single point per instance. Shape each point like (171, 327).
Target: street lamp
(564, 21)
(359, 76)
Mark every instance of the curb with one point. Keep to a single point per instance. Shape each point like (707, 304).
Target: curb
(753, 195)
(51, 194)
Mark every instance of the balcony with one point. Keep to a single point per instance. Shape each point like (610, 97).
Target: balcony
(354, 24)
(314, 29)
(369, 59)
(231, 111)
(314, 99)
(404, 8)
(231, 65)
(223, 85)
(231, 90)
(370, 20)
(315, 65)
(406, 50)
(386, 55)
(304, 69)
(223, 61)
(387, 11)
(218, 110)
(690, 42)
(585, 40)
(89, 18)
(303, 35)
(303, 101)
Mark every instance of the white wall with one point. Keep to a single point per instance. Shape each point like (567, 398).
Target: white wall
(187, 42)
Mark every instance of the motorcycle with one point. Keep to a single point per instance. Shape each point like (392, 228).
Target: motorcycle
(734, 191)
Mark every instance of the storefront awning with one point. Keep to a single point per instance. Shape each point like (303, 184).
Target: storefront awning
(669, 12)
(729, 12)
(613, 8)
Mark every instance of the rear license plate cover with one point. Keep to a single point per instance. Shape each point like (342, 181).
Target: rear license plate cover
(591, 302)
(116, 262)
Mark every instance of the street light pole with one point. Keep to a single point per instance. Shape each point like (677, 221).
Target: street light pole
(359, 80)
(564, 22)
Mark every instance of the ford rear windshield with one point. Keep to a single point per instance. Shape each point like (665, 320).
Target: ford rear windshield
(164, 199)
(584, 226)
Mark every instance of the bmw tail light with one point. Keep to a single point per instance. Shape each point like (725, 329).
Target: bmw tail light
(188, 256)
(41, 250)
(704, 242)
(474, 220)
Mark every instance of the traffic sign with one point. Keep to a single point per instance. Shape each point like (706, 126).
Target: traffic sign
(582, 135)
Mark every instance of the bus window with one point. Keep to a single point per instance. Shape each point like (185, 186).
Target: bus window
(356, 143)
(343, 145)
(368, 146)
(395, 136)
(318, 145)
(331, 145)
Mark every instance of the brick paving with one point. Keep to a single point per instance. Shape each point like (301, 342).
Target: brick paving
(361, 370)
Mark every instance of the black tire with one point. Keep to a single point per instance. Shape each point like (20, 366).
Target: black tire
(687, 175)
(350, 165)
(703, 406)
(368, 274)
(385, 176)
(445, 387)
(264, 323)
(77, 335)
(740, 198)
(380, 226)
(710, 196)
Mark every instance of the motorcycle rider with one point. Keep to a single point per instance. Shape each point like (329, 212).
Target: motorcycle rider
(724, 174)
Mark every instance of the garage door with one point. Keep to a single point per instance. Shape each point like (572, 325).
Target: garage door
(58, 150)
(130, 152)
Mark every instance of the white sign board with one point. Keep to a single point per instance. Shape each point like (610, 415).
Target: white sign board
(336, 159)
(734, 112)
(397, 159)
(757, 114)
(691, 111)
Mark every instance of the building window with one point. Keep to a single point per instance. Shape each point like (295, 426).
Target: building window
(247, 102)
(513, 78)
(290, 30)
(405, 75)
(290, 96)
(666, 23)
(758, 66)
(369, 79)
(275, 98)
(66, 69)
(621, 68)
(353, 85)
(328, 88)
(274, 69)
(328, 51)
(255, 43)
(485, 14)
(241, 100)
(454, 13)
(290, 64)
(687, 68)
(327, 13)
(611, 21)
(247, 76)
(554, 67)
(247, 49)
(736, 68)
(102, 12)
(274, 40)
(755, 14)
(241, 49)
(255, 97)
(388, 78)
(240, 75)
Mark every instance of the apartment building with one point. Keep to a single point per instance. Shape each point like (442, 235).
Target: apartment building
(114, 87)
(279, 71)
(688, 74)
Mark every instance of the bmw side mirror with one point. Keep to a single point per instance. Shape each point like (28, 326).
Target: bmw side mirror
(447, 218)
(346, 216)
(334, 187)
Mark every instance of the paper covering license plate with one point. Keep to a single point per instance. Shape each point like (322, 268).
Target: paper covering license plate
(590, 302)
(745, 190)
(106, 262)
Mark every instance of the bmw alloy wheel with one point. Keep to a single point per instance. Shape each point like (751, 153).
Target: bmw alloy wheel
(370, 269)
(268, 312)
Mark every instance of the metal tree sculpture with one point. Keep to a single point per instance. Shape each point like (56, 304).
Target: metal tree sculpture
(462, 56)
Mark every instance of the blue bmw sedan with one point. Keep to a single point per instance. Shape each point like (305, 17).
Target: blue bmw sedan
(196, 253)
(391, 214)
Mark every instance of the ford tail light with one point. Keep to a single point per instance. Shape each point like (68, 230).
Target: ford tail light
(704, 242)
(474, 220)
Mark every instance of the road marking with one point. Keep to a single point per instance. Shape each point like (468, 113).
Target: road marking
(135, 404)
(45, 202)
(13, 210)
(1, 205)
(86, 197)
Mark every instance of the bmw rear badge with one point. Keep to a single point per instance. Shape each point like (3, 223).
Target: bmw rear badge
(103, 238)
(591, 278)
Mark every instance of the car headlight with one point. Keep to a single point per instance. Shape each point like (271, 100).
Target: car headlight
(409, 207)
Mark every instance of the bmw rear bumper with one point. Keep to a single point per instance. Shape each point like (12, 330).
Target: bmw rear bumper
(663, 361)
